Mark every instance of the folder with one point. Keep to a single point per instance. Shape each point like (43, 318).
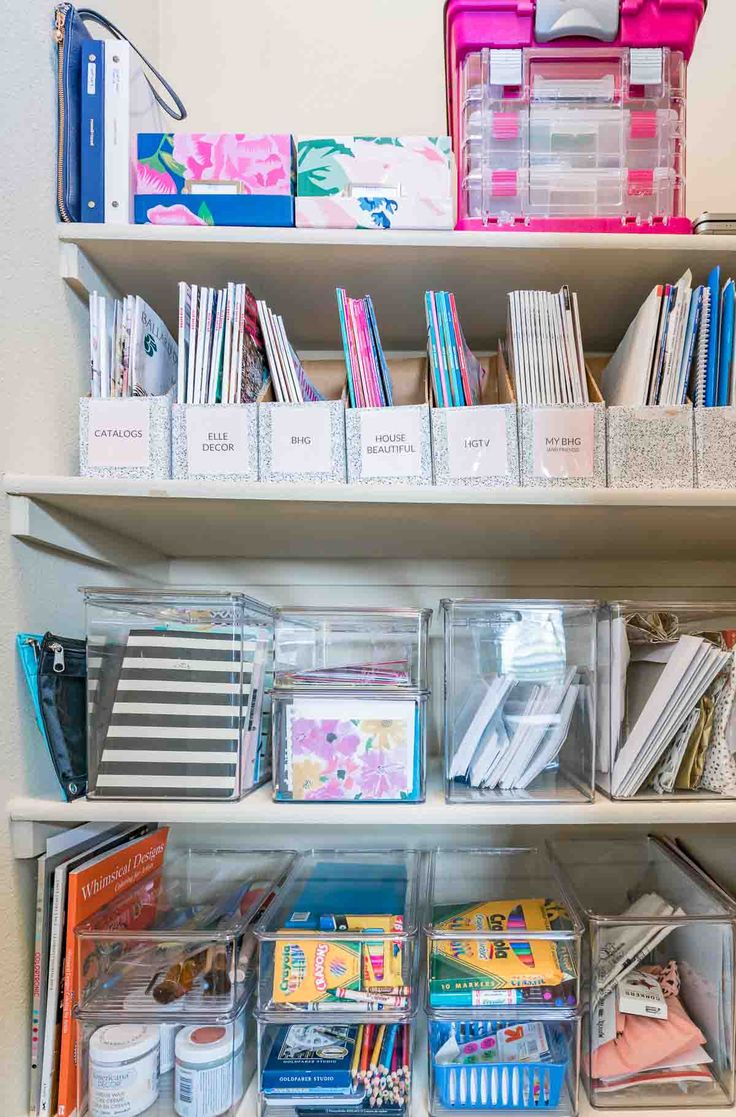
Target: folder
(714, 287)
(725, 349)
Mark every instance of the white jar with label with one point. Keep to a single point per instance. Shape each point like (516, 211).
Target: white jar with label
(123, 1069)
(209, 1072)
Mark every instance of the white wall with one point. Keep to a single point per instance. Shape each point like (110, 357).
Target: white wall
(377, 67)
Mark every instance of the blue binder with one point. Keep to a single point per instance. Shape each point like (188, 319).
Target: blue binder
(725, 352)
(711, 376)
(92, 131)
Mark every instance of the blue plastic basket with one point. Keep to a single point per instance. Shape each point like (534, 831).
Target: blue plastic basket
(499, 1085)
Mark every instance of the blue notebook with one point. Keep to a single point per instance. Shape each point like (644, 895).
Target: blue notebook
(725, 345)
(311, 1058)
(92, 131)
(711, 375)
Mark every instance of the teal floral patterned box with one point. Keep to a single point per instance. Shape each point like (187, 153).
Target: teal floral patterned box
(375, 182)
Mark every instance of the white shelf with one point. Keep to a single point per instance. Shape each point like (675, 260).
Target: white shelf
(259, 809)
(297, 271)
(198, 519)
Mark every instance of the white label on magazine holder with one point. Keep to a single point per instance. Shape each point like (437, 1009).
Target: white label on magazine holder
(476, 442)
(563, 442)
(301, 439)
(217, 440)
(118, 433)
(390, 442)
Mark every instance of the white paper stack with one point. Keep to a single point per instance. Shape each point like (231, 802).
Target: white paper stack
(545, 348)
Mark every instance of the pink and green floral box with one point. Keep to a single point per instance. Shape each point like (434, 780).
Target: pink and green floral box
(375, 182)
(214, 178)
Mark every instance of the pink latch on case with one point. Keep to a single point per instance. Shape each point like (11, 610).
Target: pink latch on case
(504, 184)
(641, 184)
(505, 126)
(643, 125)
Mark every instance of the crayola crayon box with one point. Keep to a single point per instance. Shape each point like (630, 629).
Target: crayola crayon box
(311, 969)
(466, 965)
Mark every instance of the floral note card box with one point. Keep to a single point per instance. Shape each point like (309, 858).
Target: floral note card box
(214, 178)
(374, 182)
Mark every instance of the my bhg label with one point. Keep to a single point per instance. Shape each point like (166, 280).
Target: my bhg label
(390, 442)
(301, 439)
(563, 442)
(119, 433)
(217, 440)
(476, 442)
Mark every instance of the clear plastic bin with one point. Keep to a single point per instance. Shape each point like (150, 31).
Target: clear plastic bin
(659, 1028)
(502, 933)
(357, 746)
(192, 1068)
(485, 1064)
(325, 1063)
(175, 693)
(348, 648)
(519, 715)
(666, 700)
(341, 936)
(180, 943)
(580, 136)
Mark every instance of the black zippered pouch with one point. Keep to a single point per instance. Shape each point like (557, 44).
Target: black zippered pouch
(55, 668)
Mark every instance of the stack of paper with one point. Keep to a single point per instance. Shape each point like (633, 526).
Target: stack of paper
(131, 351)
(290, 382)
(681, 674)
(221, 351)
(369, 382)
(456, 373)
(544, 347)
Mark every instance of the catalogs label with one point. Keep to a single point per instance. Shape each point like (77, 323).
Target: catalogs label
(390, 442)
(217, 440)
(119, 433)
(563, 442)
(476, 442)
(300, 439)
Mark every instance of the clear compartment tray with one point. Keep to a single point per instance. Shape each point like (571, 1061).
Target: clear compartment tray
(519, 714)
(502, 933)
(347, 648)
(486, 1063)
(662, 936)
(175, 688)
(341, 937)
(666, 700)
(179, 944)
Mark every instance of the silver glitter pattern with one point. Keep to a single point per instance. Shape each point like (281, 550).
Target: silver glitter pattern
(353, 419)
(650, 448)
(179, 442)
(159, 462)
(336, 472)
(529, 479)
(441, 454)
(715, 447)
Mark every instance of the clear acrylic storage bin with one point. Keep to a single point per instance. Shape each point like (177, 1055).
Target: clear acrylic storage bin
(192, 1068)
(659, 1028)
(180, 942)
(358, 746)
(666, 700)
(341, 936)
(348, 648)
(488, 1063)
(175, 687)
(502, 933)
(519, 713)
(326, 1064)
(571, 133)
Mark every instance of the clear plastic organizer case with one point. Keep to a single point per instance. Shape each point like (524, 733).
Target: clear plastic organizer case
(175, 686)
(357, 746)
(192, 1068)
(520, 694)
(659, 1028)
(666, 700)
(577, 134)
(488, 1063)
(180, 942)
(502, 933)
(330, 1064)
(341, 936)
(348, 648)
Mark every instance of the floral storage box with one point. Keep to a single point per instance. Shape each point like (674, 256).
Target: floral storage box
(214, 178)
(375, 182)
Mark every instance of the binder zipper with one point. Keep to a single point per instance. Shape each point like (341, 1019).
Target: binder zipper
(58, 664)
(62, 10)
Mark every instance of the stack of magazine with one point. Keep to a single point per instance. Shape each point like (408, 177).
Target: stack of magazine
(132, 352)
(544, 348)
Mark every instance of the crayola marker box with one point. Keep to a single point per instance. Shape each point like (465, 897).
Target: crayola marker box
(508, 960)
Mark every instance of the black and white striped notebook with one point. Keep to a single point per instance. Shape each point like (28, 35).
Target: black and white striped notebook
(179, 714)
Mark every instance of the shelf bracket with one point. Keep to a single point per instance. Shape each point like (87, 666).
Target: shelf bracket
(46, 526)
(82, 276)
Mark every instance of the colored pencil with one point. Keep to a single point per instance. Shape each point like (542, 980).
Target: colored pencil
(375, 1057)
(355, 1064)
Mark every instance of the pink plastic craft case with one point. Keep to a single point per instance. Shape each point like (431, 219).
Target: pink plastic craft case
(570, 118)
